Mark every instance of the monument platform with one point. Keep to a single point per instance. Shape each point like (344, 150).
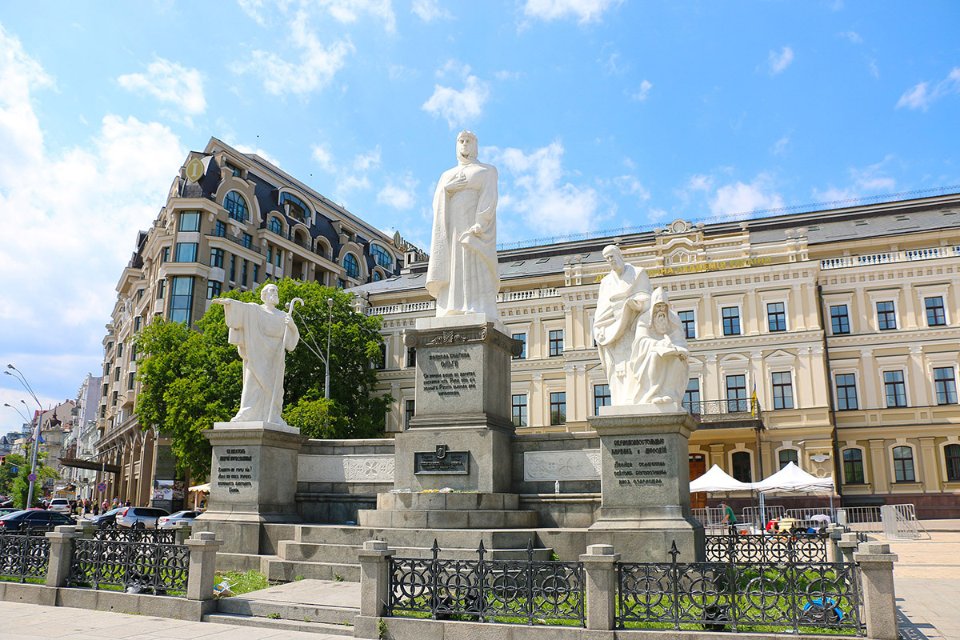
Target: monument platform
(449, 511)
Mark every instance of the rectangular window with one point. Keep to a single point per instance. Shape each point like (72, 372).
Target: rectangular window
(116, 374)
(130, 379)
(945, 384)
(951, 456)
(742, 466)
(213, 289)
(839, 319)
(186, 252)
(120, 350)
(691, 397)
(786, 456)
(895, 389)
(243, 274)
(136, 324)
(556, 343)
(518, 409)
(165, 255)
(936, 316)
(903, 464)
(233, 268)
(411, 357)
(216, 258)
(558, 407)
(269, 254)
(161, 288)
(782, 390)
(853, 466)
(847, 392)
(522, 339)
(737, 394)
(776, 317)
(181, 299)
(220, 228)
(247, 240)
(886, 316)
(279, 257)
(601, 397)
(689, 322)
(256, 274)
(190, 221)
(409, 410)
(731, 321)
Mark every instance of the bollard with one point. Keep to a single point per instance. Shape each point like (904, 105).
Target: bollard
(181, 532)
(203, 565)
(374, 578)
(834, 532)
(847, 546)
(61, 554)
(600, 566)
(879, 598)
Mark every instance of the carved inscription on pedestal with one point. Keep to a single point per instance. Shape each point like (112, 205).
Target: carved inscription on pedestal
(639, 461)
(454, 374)
(451, 462)
(234, 470)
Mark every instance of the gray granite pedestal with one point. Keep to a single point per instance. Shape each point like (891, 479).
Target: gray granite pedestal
(253, 480)
(645, 484)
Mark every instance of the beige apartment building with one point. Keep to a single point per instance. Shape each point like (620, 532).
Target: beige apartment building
(842, 324)
(231, 221)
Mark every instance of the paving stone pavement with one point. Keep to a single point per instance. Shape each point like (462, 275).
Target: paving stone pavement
(927, 582)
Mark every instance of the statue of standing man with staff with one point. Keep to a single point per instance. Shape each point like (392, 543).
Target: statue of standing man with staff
(263, 335)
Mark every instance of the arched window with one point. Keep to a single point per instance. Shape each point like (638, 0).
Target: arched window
(903, 464)
(951, 455)
(377, 277)
(853, 466)
(742, 468)
(381, 256)
(351, 265)
(298, 208)
(786, 456)
(276, 226)
(236, 206)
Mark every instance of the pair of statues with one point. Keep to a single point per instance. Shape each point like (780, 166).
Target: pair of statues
(639, 337)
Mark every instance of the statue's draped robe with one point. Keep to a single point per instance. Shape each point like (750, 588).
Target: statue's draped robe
(462, 275)
(659, 371)
(260, 336)
(620, 299)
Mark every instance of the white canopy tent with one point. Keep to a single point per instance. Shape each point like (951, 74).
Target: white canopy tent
(792, 481)
(716, 479)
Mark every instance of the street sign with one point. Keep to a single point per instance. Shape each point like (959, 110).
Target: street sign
(102, 487)
(32, 477)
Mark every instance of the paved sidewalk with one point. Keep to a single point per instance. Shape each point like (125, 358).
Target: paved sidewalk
(927, 581)
(19, 621)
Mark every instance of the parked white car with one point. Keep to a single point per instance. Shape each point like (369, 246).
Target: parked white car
(60, 505)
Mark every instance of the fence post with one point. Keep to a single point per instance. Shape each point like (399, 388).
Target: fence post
(203, 565)
(181, 533)
(374, 578)
(600, 566)
(879, 599)
(61, 554)
(834, 531)
(847, 545)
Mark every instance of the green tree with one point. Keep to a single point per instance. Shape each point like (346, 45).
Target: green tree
(16, 485)
(192, 378)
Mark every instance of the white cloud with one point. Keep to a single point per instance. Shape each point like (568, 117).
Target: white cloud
(399, 193)
(254, 9)
(429, 10)
(781, 145)
(582, 10)
(69, 219)
(350, 176)
(245, 148)
(458, 107)
(780, 61)
(700, 182)
(851, 36)
(921, 95)
(643, 92)
(315, 68)
(323, 157)
(873, 68)
(737, 197)
(349, 11)
(368, 160)
(535, 186)
(169, 82)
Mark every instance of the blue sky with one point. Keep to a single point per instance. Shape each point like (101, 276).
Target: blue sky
(598, 114)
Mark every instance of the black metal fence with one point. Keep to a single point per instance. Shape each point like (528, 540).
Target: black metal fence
(802, 597)
(771, 549)
(526, 591)
(131, 561)
(24, 556)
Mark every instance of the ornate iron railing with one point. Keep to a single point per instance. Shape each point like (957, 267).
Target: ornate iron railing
(138, 566)
(116, 534)
(771, 549)
(526, 591)
(24, 556)
(799, 597)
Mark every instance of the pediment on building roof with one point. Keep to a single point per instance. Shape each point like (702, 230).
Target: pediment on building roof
(780, 356)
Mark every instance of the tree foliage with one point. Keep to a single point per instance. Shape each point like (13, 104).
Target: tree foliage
(191, 378)
(16, 485)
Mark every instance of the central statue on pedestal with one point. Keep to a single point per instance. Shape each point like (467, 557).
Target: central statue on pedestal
(462, 275)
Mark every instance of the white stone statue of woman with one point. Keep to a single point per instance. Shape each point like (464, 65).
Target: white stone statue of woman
(660, 354)
(624, 295)
(462, 275)
(263, 334)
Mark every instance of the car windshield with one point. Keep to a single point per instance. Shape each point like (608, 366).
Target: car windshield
(112, 512)
(13, 516)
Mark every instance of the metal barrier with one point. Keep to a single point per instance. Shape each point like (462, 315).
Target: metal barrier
(131, 563)
(24, 556)
(893, 521)
(519, 591)
(770, 549)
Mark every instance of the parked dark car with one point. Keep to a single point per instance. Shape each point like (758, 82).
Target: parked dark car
(140, 517)
(107, 518)
(33, 520)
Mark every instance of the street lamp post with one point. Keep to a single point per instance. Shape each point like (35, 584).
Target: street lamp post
(36, 434)
(326, 377)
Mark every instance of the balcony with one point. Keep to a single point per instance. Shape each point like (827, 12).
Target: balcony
(727, 414)
(235, 240)
(890, 257)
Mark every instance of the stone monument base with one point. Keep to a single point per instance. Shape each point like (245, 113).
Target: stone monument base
(253, 480)
(645, 483)
(448, 511)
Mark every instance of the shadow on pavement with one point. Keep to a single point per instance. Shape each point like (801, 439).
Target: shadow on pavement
(910, 630)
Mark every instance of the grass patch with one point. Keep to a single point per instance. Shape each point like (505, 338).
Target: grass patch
(242, 582)
(28, 580)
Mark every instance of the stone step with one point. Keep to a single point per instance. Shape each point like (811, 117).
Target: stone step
(279, 570)
(448, 519)
(347, 554)
(279, 624)
(448, 501)
(252, 607)
(453, 538)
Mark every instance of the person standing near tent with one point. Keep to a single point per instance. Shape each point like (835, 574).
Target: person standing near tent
(729, 517)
